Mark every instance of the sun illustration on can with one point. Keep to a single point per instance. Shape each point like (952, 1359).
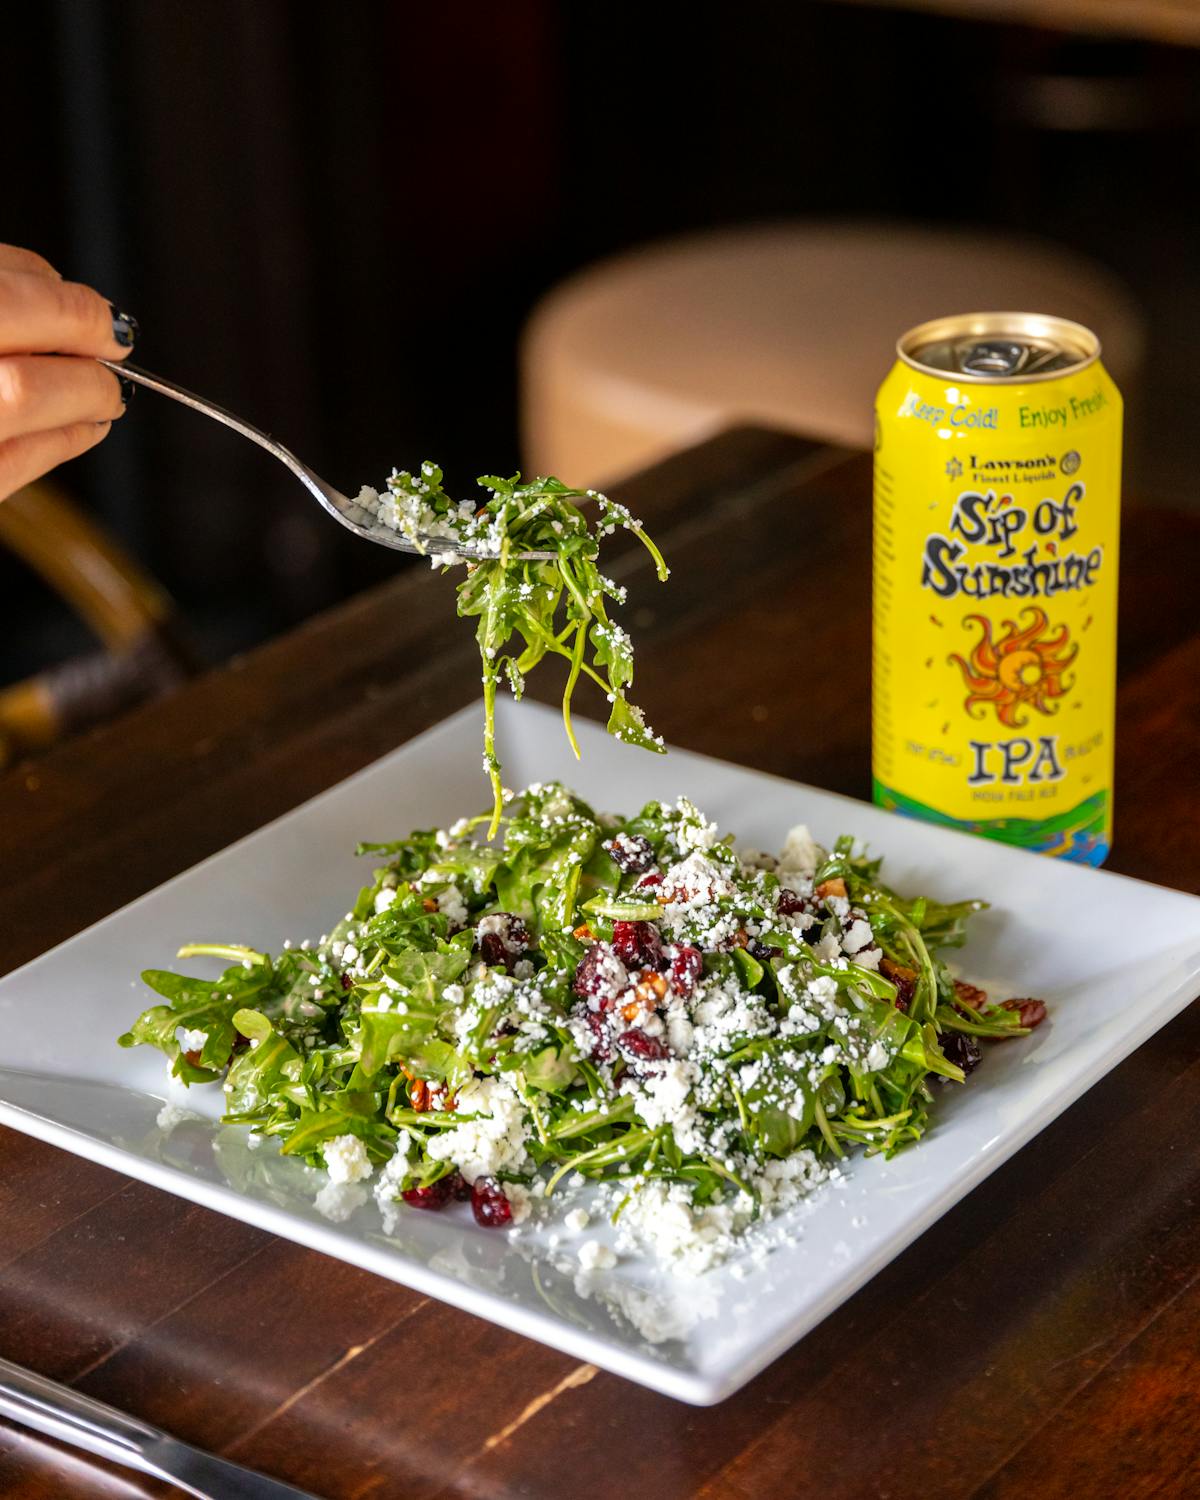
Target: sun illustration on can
(1022, 668)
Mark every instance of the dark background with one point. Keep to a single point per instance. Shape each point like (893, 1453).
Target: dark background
(335, 218)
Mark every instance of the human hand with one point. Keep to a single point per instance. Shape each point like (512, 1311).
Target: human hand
(55, 400)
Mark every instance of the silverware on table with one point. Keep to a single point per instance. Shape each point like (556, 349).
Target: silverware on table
(62, 1413)
(355, 516)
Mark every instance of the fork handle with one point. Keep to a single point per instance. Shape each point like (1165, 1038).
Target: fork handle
(219, 414)
(65, 1414)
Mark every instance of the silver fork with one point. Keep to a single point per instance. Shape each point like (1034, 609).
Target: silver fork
(350, 513)
(71, 1417)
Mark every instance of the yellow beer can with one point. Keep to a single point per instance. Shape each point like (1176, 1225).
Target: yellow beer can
(997, 510)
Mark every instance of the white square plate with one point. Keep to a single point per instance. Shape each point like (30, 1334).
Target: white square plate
(1115, 958)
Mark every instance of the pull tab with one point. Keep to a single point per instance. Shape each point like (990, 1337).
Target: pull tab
(994, 357)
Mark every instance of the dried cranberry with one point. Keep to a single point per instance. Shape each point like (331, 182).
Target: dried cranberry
(648, 882)
(961, 1050)
(595, 976)
(687, 965)
(503, 940)
(1031, 1012)
(788, 903)
(762, 950)
(436, 1195)
(630, 852)
(493, 951)
(347, 982)
(460, 1188)
(594, 1019)
(640, 1045)
(904, 979)
(637, 944)
(489, 1205)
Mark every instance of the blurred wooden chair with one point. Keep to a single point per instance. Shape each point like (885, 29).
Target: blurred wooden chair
(792, 325)
(132, 616)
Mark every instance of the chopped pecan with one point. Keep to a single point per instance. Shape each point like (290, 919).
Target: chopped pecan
(651, 987)
(970, 996)
(834, 887)
(1031, 1012)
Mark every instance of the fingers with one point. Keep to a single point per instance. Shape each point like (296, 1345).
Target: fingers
(39, 392)
(53, 408)
(13, 258)
(24, 459)
(41, 314)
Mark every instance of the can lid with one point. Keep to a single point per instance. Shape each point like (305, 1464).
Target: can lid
(991, 347)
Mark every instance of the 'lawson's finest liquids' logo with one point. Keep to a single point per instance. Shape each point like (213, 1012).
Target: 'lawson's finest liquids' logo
(1023, 548)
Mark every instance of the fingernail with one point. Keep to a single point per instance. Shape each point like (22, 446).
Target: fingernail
(127, 389)
(125, 327)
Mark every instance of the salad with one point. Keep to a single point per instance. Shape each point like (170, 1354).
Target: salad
(624, 1000)
(555, 606)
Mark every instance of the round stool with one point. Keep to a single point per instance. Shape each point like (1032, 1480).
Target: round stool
(788, 325)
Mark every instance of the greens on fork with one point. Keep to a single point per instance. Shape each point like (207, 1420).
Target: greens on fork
(555, 606)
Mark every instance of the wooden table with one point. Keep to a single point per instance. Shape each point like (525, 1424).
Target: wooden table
(1040, 1339)
(1174, 21)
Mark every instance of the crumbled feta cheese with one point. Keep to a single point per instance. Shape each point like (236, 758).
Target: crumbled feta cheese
(520, 1200)
(661, 1098)
(191, 1041)
(451, 905)
(661, 1216)
(693, 831)
(828, 949)
(171, 1115)
(593, 1256)
(858, 935)
(346, 1159)
(577, 1220)
(338, 1200)
(491, 1143)
(801, 853)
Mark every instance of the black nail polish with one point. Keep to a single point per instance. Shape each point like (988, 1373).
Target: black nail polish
(125, 327)
(127, 390)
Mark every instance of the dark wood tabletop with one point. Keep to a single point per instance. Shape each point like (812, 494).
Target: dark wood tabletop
(1043, 1338)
